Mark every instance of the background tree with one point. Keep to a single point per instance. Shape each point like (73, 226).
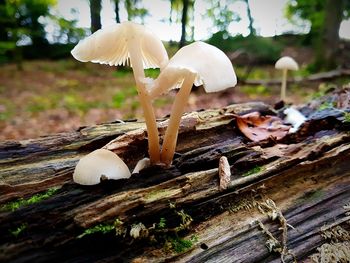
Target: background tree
(222, 15)
(95, 14)
(116, 10)
(20, 21)
(328, 42)
(325, 18)
(135, 10)
(250, 19)
(183, 10)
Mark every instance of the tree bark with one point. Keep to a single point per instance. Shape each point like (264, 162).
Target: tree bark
(250, 19)
(302, 180)
(328, 45)
(95, 15)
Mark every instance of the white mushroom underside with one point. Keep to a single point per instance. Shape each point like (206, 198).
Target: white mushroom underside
(100, 164)
(110, 46)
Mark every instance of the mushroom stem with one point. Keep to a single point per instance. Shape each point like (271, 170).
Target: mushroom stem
(284, 85)
(171, 133)
(146, 102)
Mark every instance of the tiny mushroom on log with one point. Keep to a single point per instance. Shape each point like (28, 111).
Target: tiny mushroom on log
(100, 165)
(285, 63)
(134, 44)
(199, 64)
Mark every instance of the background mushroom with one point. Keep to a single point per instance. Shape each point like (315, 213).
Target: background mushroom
(128, 43)
(285, 63)
(100, 165)
(199, 64)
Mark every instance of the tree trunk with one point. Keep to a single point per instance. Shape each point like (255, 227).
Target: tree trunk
(95, 14)
(327, 52)
(116, 9)
(301, 181)
(184, 21)
(250, 19)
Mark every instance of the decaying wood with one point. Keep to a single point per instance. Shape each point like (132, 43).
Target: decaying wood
(279, 195)
(323, 76)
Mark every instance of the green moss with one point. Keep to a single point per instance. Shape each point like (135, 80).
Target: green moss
(101, 228)
(326, 105)
(12, 206)
(255, 170)
(311, 195)
(346, 117)
(16, 232)
(180, 245)
(162, 223)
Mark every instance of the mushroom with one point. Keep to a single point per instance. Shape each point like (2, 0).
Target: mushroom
(285, 63)
(100, 165)
(142, 164)
(199, 64)
(294, 117)
(134, 44)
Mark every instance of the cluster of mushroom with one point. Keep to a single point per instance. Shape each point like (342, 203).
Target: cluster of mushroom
(135, 45)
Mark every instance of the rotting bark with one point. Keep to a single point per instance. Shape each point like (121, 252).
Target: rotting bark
(307, 176)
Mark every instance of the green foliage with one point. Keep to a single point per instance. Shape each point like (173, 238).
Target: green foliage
(121, 73)
(262, 49)
(12, 206)
(16, 232)
(152, 72)
(7, 108)
(119, 99)
(255, 90)
(222, 15)
(135, 10)
(311, 10)
(69, 32)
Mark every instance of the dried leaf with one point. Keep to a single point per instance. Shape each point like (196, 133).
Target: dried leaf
(258, 128)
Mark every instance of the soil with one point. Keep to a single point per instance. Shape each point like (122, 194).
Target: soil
(56, 96)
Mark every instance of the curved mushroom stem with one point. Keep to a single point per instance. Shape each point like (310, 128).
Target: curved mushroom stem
(284, 85)
(146, 102)
(172, 131)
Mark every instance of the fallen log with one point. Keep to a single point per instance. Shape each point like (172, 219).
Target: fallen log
(322, 76)
(281, 201)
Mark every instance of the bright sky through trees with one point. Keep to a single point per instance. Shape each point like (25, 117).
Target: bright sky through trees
(268, 18)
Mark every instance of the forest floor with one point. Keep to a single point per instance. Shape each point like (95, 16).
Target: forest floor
(56, 96)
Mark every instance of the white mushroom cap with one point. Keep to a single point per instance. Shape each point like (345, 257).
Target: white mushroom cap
(212, 67)
(99, 164)
(110, 46)
(286, 63)
(142, 164)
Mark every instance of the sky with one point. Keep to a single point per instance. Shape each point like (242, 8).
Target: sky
(268, 18)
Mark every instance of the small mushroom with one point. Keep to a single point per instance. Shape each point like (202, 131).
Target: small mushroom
(134, 44)
(100, 165)
(199, 64)
(285, 63)
(294, 117)
(142, 164)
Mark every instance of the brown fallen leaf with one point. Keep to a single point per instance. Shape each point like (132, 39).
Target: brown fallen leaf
(258, 128)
